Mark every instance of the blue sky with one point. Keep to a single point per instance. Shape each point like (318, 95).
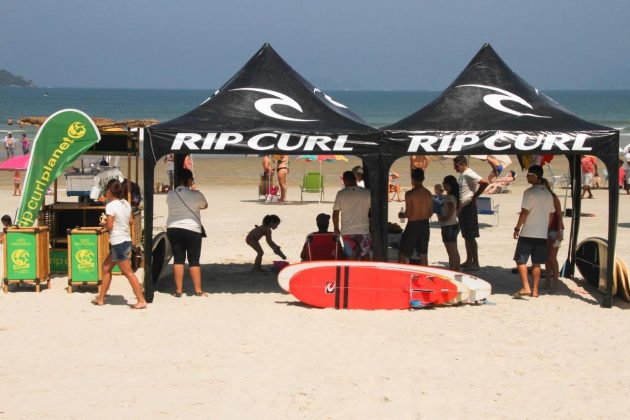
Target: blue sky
(371, 44)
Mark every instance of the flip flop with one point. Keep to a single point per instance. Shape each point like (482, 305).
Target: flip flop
(176, 294)
(201, 294)
(142, 307)
(520, 294)
(97, 303)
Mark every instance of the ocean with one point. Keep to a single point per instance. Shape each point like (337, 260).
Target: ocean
(606, 107)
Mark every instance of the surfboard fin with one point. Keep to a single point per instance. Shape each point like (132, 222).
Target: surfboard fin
(417, 304)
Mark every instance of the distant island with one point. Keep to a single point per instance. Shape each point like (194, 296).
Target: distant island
(9, 79)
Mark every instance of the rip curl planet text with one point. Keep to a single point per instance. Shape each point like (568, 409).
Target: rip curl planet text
(62, 138)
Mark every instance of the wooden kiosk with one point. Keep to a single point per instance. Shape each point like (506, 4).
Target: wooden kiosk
(64, 219)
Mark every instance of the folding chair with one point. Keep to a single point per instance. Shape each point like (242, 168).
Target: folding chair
(323, 246)
(313, 182)
(485, 205)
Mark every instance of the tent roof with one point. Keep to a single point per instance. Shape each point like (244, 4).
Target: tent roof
(268, 95)
(488, 95)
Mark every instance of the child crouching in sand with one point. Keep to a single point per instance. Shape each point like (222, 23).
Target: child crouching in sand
(269, 223)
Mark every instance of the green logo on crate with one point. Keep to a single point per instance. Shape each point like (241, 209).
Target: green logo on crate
(21, 252)
(85, 259)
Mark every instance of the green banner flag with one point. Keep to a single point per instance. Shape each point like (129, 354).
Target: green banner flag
(60, 140)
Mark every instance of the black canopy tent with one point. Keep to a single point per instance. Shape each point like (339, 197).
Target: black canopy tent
(265, 108)
(489, 109)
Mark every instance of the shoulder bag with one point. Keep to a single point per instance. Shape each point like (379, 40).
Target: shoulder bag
(203, 230)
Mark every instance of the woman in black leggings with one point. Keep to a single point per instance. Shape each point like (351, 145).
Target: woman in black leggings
(183, 228)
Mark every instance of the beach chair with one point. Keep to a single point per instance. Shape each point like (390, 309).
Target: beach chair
(486, 206)
(313, 182)
(323, 246)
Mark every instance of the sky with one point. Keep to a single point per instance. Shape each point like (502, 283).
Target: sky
(335, 44)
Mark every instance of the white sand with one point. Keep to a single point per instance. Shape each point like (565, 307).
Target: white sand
(250, 350)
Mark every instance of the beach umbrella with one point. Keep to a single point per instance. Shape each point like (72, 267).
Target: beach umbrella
(16, 163)
(321, 158)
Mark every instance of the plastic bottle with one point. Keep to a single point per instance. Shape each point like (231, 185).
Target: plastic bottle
(402, 218)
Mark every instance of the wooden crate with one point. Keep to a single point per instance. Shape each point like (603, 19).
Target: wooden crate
(87, 249)
(26, 257)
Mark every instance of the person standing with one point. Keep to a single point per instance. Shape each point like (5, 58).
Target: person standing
(184, 230)
(589, 171)
(118, 212)
(471, 186)
(418, 211)
(449, 224)
(352, 209)
(626, 172)
(169, 159)
(9, 145)
(554, 238)
(532, 230)
(26, 144)
(358, 174)
(282, 170)
(17, 183)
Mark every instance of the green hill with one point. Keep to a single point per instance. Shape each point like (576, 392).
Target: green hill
(9, 79)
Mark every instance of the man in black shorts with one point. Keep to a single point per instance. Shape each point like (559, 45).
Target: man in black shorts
(418, 211)
(532, 229)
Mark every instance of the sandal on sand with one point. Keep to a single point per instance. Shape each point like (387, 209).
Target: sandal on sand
(520, 294)
(138, 307)
(176, 294)
(97, 303)
(201, 294)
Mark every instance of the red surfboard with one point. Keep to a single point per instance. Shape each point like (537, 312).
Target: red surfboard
(364, 285)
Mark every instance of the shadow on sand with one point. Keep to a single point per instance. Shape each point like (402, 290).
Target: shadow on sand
(224, 278)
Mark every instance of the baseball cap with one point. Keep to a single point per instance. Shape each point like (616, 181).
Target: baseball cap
(536, 170)
(322, 218)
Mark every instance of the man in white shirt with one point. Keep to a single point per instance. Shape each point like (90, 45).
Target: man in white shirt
(532, 229)
(471, 186)
(352, 208)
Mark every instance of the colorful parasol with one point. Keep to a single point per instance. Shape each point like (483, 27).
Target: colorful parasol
(16, 163)
(322, 158)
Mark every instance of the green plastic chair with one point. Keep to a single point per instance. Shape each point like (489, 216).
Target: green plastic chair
(313, 182)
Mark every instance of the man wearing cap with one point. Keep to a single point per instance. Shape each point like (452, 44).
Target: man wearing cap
(531, 230)
(352, 209)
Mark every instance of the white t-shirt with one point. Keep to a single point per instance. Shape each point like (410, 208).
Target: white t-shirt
(626, 166)
(121, 211)
(181, 217)
(538, 201)
(453, 219)
(354, 205)
(468, 182)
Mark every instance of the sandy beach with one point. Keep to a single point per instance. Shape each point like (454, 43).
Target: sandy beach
(251, 350)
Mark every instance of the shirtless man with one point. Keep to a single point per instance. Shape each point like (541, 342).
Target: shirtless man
(419, 161)
(418, 209)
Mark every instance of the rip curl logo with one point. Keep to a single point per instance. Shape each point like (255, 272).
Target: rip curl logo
(20, 259)
(329, 288)
(76, 130)
(264, 106)
(496, 101)
(85, 259)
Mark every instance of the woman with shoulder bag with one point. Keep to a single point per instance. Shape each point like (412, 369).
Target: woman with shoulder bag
(184, 230)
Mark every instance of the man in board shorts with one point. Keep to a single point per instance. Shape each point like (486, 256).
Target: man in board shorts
(532, 229)
(352, 209)
(418, 211)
